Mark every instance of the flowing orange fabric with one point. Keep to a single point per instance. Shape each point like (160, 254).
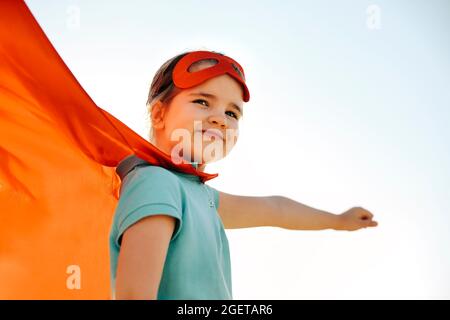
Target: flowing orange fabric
(58, 155)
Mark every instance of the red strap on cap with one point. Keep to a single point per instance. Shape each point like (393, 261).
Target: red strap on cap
(183, 78)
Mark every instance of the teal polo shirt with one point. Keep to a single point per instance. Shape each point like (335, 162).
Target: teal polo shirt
(197, 264)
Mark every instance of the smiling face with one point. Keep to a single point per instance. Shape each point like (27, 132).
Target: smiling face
(195, 120)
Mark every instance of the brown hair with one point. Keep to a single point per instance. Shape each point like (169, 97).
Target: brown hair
(162, 87)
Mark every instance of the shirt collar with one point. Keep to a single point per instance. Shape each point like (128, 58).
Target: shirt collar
(191, 175)
(194, 164)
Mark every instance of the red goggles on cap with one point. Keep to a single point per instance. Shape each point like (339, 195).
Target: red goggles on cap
(183, 78)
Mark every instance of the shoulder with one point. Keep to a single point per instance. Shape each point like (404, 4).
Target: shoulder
(152, 174)
(146, 186)
(147, 191)
(150, 178)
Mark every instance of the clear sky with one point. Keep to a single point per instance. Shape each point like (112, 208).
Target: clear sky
(350, 106)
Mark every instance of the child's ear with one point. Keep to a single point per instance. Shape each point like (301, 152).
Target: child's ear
(157, 115)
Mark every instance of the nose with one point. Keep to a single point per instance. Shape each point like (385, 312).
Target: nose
(218, 120)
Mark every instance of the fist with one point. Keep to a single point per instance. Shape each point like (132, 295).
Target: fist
(355, 219)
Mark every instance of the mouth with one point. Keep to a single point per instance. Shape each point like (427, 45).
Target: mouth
(213, 133)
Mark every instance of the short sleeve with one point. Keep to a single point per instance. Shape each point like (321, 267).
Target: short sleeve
(147, 191)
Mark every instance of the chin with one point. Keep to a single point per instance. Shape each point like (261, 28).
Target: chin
(208, 160)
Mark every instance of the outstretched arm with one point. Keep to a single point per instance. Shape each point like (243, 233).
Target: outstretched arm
(278, 211)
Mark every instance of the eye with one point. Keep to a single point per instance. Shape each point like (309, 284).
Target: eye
(202, 102)
(234, 115)
(206, 104)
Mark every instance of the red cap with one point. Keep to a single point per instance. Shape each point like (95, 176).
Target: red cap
(183, 78)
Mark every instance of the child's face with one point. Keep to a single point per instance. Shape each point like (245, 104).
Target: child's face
(190, 113)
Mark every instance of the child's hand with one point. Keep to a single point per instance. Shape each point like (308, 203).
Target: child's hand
(355, 218)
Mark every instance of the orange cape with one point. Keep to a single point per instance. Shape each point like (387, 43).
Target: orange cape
(58, 155)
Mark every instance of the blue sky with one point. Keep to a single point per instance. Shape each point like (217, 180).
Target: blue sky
(340, 115)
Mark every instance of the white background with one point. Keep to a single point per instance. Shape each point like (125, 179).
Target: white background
(350, 106)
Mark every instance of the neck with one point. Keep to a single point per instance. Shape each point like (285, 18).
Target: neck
(201, 167)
